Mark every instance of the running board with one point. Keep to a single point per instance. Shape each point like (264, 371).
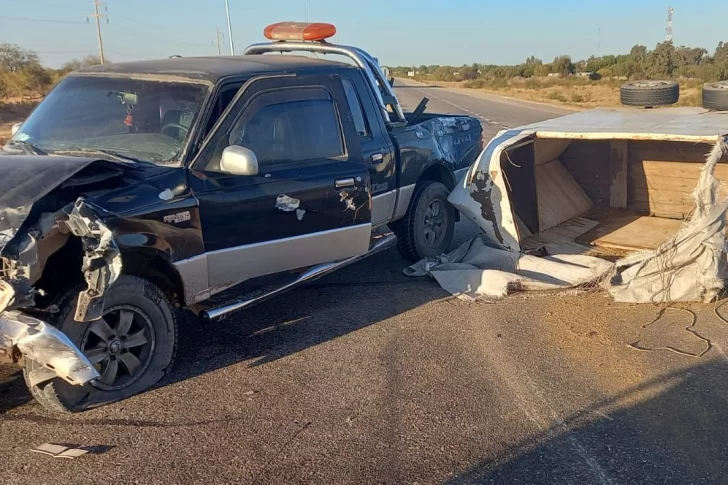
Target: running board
(311, 274)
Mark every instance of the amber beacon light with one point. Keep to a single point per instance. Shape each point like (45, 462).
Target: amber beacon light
(299, 31)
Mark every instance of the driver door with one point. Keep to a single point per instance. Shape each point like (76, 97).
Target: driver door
(309, 202)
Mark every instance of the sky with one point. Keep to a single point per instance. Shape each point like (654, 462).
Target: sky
(398, 32)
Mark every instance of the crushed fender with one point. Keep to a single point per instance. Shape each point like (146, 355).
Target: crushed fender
(24, 257)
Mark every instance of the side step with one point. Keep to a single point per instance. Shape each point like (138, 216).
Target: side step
(313, 273)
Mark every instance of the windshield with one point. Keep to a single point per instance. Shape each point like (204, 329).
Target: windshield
(141, 119)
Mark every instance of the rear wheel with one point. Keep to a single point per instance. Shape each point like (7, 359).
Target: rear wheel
(427, 229)
(132, 346)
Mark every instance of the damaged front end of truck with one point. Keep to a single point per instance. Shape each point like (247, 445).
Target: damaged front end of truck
(42, 216)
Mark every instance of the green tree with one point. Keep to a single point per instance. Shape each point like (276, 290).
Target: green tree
(542, 70)
(562, 65)
(721, 53)
(468, 73)
(690, 56)
(661, 62)
(14, 58)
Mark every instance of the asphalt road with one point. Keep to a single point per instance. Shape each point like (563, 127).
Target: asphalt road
(370, 377)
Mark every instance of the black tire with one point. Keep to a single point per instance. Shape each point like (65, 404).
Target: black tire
(152, 318)
(715, 96)
(412, 242)
(647, 94)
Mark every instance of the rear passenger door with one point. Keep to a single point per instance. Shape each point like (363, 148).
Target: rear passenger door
(309, 202)
(376, 146)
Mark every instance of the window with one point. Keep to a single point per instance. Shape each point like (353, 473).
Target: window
(221, 103)
(144, 119)
(356, 110)
(304, 126)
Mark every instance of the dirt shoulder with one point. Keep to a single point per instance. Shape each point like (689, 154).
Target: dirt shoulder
(570, 92)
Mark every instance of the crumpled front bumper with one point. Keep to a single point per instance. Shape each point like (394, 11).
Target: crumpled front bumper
(45, 344)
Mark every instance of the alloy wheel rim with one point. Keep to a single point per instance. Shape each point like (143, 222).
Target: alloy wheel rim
(120, 345)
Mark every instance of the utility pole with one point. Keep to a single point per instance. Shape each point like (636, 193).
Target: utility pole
(668, 28)
(305, 5)
(230, 28)
(98, 16)
(219, 38)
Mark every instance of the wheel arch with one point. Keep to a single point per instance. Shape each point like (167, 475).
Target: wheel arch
(154, 266)
(439, 172)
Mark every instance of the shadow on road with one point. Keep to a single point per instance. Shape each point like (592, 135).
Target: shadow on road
(669, 430)
(354, 298)
(351, 299)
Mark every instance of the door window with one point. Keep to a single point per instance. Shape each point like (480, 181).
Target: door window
(283, 129)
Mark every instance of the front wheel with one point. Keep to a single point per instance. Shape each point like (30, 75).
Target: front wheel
(427, 229)
(132, 346)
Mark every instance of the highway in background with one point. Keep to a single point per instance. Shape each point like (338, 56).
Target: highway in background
(495, 112)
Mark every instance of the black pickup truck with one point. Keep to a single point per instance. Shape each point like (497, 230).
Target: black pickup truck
(210, 184)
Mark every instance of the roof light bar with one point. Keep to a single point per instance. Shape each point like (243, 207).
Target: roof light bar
(299, 31)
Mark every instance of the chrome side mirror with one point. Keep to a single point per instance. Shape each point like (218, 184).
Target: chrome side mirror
(237, 160)
(15, 128)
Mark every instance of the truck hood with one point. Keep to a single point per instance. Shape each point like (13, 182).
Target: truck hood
(25, 179)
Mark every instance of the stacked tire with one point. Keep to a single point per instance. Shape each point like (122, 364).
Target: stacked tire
(650, 94)
(715, 96)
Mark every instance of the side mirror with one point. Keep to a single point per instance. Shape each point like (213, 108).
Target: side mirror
(15, 128)
(237, 160)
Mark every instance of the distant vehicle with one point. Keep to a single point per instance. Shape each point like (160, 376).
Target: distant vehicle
(135, 188)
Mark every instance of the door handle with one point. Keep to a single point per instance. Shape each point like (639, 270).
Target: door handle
(344, 183)
(377, 158)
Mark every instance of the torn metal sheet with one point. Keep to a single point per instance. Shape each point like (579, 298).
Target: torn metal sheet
(43, 343)
(101, 262)
(482, 195)
(475, 271)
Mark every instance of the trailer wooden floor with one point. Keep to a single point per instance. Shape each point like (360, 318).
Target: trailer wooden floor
(605, 233)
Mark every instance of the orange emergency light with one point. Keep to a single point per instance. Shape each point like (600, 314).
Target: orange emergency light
(299, 31)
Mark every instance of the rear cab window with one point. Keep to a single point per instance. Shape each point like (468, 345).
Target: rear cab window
(357, 111)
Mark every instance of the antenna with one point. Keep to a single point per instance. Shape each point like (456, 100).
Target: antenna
(668, 28)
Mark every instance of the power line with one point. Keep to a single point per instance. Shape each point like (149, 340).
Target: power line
(44, 4)
(64, 52)
(48, 21)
